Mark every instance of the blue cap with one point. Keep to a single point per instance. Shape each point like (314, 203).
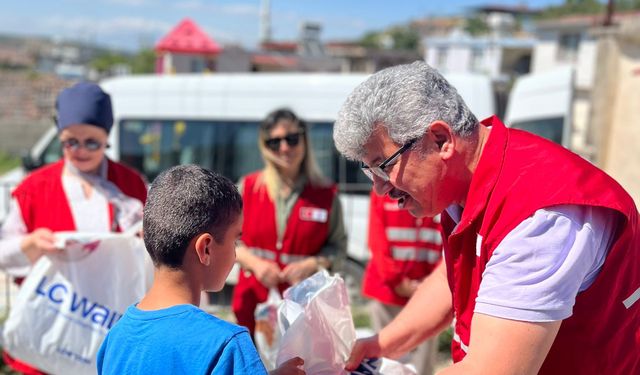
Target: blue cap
(84, 103)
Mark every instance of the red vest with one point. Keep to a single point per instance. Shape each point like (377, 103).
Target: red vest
(43, 203)
(306, 232)
(401, 246)
(519, 173)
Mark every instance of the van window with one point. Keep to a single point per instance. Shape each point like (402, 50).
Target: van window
(551, 128)
(228, 147)
(53, 152)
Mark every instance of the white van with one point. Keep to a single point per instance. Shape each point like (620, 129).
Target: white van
(541, 103)
(212, 120)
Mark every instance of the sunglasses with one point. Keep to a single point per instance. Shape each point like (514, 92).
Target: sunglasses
(292, 140)
(89, 144)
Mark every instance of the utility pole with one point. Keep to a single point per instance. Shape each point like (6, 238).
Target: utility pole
(608, 20)
(265, 21)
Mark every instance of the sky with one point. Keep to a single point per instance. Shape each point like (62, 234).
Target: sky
(131, 24)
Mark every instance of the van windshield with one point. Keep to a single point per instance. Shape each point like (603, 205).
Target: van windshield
(228, 147)
(550, 128)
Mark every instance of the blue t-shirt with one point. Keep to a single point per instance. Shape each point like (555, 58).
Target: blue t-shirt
(178, 340)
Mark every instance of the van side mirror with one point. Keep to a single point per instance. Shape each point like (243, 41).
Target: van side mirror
(29, 163)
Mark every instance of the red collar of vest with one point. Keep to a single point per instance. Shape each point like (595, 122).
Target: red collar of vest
(487, 171)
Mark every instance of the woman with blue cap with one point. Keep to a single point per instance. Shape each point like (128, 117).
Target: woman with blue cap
(84, 191)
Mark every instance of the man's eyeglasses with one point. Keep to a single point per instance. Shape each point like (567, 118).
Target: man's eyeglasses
(89, 144)
(292, 140)
(379, 171)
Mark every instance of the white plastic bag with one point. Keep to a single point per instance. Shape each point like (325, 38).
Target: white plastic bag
(316, 324)
(267, 334)
(70, 300)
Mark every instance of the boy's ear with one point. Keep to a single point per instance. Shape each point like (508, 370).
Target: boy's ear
(204, 247)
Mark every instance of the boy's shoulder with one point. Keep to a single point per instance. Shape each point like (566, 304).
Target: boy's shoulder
(188, 318)
(219, 324)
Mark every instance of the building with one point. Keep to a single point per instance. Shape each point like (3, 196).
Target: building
(615, 114)
(307, 54)
(502, 51)
(568, 41)
(354, 58)
(501, 58)
(186, 49)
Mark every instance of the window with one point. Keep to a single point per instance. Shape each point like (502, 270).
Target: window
(53, 152)
(442, 57)
(197, 65)
(568, 47)
(551, 128)
(477, 54)
(228, 147)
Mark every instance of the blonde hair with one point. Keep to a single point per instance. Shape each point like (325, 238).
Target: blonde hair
(309, 166)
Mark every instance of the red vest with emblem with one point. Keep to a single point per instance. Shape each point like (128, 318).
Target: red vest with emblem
(43, 204)
(306, 232)
(401, 246)
(518, 174)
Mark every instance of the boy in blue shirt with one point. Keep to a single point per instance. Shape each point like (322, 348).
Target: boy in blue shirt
(192, 220)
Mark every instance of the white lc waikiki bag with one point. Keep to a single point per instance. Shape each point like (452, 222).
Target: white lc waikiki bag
(70, 300)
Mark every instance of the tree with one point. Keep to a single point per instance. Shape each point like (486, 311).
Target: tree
(405, 38)
(104, 62)
(573, 7)
(476, 26)
(371, 40)
(144, 62)
(401, 38)
(625, 5)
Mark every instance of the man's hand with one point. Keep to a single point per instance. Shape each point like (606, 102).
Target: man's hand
(290, 367)
(267, 272)
(363, 348)
(406, 287)
(38, 243)
(295, 272)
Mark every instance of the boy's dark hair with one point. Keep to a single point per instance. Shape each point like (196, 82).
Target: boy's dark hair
(185, 201)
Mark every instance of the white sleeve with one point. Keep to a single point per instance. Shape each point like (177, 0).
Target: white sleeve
(538, 269)
(12, 259)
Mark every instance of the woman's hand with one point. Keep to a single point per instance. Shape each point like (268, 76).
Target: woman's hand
(406, 287)
(295, 272)
(266, 271)
(38, 243)
(290, 367)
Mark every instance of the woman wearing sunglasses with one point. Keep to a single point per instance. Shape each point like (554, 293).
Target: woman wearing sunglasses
(292, 217)
(84, 191)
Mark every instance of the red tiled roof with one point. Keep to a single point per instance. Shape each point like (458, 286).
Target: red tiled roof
(187, 37)
(280, 46)
(586, 19)
(284, 61)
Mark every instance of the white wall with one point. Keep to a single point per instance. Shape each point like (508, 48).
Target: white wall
(622, 158)
(585, 64)
(458, 59)
(544, 56)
